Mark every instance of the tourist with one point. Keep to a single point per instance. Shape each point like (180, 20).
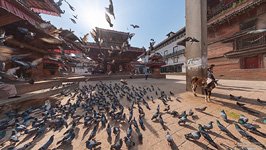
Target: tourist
(210, 74)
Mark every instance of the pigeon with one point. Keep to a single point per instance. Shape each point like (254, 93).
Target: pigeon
(116, 130)
(14, 136)
(59, 3)
(209, 126)
(240, 104)
(193, 136)
(224, 116)
(152, 44)
(183, 120)
(40, 132)
(224, 129)
(201, 109)
(118, 145)
(253, 129)
(73, 20)
(135, 123)
(129, 131)
(190, 112)
(130, 35)
(174, 113)
(167, 109)
(93, 132)
(260, 101)
(110, 9)
(3, 36)
(141, 122)
(92, 144)
(109, 130)
(134, 26)
(75, 16)
(155, 115)
(208, 138)
(26, 32)
(129, 143)
(47, 144)
(130, 115)
(171, 93)
(248, 137)
(84, 39)
(10, 73)
(108, 20)
(191, 39)
(169, 138)
(242, 119)
(70, 6)
(236, 98)
(20, 127)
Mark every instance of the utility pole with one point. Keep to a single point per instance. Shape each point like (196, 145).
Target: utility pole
(196, 52)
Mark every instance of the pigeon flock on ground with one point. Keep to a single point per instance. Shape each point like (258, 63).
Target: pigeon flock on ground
(99, 108)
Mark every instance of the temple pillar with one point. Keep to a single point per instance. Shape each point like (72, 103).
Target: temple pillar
(196, 52)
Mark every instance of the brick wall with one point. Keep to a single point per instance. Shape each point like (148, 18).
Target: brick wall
(230, 68)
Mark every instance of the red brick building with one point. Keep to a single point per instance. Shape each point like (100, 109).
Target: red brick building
(237, 51)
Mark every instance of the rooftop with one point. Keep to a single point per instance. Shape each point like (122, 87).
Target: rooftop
(179, 34)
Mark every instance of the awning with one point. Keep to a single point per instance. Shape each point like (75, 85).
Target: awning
(17, 12)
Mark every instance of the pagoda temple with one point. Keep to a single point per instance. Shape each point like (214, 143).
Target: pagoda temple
(111, 55)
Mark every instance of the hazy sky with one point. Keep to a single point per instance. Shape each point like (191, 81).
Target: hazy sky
(156, 18)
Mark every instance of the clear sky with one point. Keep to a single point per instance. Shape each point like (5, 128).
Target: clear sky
(156, 18)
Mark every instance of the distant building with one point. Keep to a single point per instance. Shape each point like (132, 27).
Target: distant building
(237, 51)
(115, 54)
(174, 55)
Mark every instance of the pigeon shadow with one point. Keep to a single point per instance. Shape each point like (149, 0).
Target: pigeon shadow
(109, 139)
(77, 132)
(150, 128)
(174, 146)
(234, 106)
(217, 135)
(26, 138)
(189, 127)
(65, 146)
(86, 132)
(203, 146)
(207, 113)
(195, 117)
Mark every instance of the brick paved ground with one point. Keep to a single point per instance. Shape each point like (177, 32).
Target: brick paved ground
(154, 135)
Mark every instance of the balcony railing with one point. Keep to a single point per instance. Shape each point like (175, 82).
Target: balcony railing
(222, 7)
(251, 41)
(176, 53)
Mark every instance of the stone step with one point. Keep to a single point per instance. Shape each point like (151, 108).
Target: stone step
(38, 94)
(23, 88)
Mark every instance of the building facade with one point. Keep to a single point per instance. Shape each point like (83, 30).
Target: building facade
(237, 38)
(173, 54)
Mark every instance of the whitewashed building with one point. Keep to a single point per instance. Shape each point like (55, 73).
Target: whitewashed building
(174, 55)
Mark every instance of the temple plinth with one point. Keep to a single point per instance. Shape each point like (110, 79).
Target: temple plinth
(155, 62)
